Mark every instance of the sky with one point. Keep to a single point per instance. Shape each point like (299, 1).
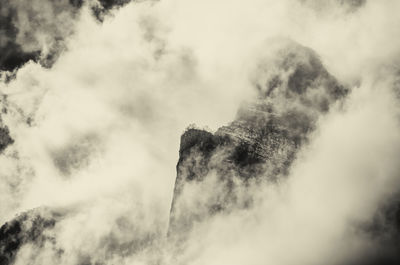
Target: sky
(97, 114)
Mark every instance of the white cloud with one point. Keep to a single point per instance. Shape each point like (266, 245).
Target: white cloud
(136, 81)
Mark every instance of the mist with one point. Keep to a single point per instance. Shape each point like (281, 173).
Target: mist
(93, 119)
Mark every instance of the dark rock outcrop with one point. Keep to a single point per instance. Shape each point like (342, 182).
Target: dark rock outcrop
(105, 6)
(5, 138)
(18, 41)
(214, 170)
(28, 227)
(38, 230)
(294, 90)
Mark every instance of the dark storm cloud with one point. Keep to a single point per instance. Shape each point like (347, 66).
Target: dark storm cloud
(34, 30)
(11, 56)
(37, 30)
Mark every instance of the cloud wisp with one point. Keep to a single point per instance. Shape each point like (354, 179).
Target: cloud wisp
(293, 159)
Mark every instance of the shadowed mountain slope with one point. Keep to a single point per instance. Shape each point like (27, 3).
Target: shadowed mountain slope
(293, 91)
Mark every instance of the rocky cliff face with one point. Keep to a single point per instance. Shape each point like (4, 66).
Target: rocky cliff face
(5, 138)
(215, 170)
(27, 228)
(294, 90)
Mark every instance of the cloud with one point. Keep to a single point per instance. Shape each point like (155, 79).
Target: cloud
(37, 30)
(34, 31)
(294, 91)
(336, 184)
(122, 92)
(337, 5)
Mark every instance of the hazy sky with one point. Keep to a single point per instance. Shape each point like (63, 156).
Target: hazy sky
(105, 122)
